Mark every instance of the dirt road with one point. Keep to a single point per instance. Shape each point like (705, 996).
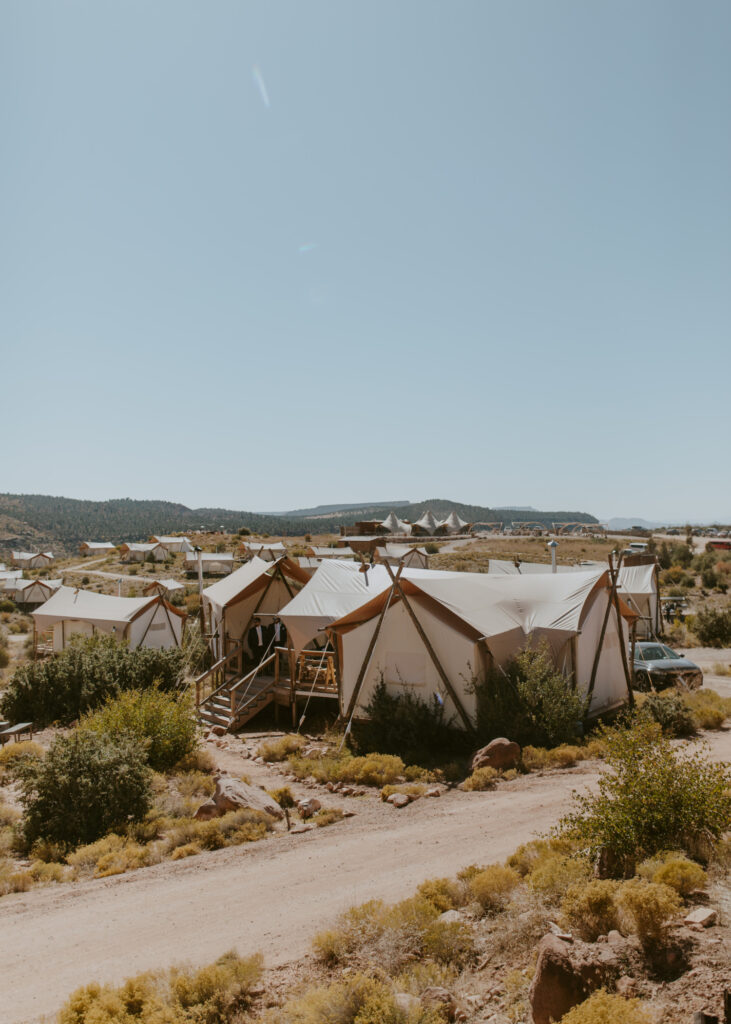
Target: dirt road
(271, 896)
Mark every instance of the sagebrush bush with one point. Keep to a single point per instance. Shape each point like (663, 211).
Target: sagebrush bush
(590, 908)
(13, 753)
(79, 679)
(492, 886)
(646, 908)
(163, 721)
(402, 723)
(87, 784)
(370, 770)
(358, 1000)
(531, 855)
(209, 995)
(555, 874)
(282, 748)
(603, 1007)
(529, 701)
(712, 626)
(13, 879)
(481, 780)
(413, 790)
(674, 869)
(671, 713)
(442, 893)
(708, 708)
(652, 798)
(327, 816)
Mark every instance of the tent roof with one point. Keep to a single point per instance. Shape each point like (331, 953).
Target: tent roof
(21, 584)
(395, 525)
(427, 522)
(256, 546)
(147, 546)
(31, 554)
(331, 552)
(68, 603)
(399, 550)
(169, 585)
(97, 544)
(233, 587)
(174, 540)
(210, 556)
(453, 523)
(637, 579)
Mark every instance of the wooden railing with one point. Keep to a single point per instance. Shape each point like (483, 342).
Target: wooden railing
(214, 678)
(315, 670)
(241, 689)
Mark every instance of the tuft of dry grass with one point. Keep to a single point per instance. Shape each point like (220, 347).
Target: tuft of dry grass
(282, 748)
(481, 780)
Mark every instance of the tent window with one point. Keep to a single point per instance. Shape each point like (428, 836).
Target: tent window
(157, 625)
(405, 669)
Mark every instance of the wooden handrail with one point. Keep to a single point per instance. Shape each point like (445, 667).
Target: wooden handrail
(216, 670)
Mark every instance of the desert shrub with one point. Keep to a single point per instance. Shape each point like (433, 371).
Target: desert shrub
(402, 723)
(87, 784)
(7, 606)
(328, 816)
(647, 907)
(8, 815)
(481, 779)
(90, 671)
(413, 790)
(492, 886)
(282, 748)
(164, 721)
(590, 908)
(12, 879)
(529, 700)
(712, 626)
(652, 798)
(603, 1007)
(12, 754)
(554, 875)
(392, 936)
(46, 873)
(564, 756)
(4, 657)
(708, 708)
(674, 869)
(369, 770)
(531, 855)
(670, 712)
(189, 850)
(209, 995)
(358, 1000)
(198, 760)
(442, 893)
(195, 784)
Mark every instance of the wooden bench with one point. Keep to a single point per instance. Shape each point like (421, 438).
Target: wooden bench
(16, 731)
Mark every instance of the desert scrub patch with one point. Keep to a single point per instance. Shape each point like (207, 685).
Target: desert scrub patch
(46, 873)
(603, 1007)
(481, 780)
(178, 996)
(358, 1000)
(670, 712)
(13, 879)
(443, 893)
(390, 937)
(413, 790)
(189, 850)
(368, 770)
(282, 748)
(197, 760)
(676, 870)
(590, 908)
(530, 855)
(554, 875)
(652, 798)
(708, 709)
(194, 783)
(646, 908)
(493, 886)
(8, 815)
(327, 816)
(12, 753)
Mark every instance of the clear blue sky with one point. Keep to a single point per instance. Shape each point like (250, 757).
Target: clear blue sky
(270, 254)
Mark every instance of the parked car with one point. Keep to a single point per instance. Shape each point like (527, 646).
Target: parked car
(657, 666)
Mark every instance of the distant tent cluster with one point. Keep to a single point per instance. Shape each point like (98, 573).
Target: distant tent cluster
(426, 526)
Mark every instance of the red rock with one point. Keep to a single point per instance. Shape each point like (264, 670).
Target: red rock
(499, 753)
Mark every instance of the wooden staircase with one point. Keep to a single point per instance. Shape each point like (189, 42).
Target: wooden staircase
(229, 699)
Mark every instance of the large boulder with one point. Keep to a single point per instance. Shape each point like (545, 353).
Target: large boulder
(498, 754)
(567, 973)
(234, 795)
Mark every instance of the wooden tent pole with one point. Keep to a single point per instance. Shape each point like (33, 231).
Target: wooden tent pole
(433, 655)
(598, 653)
(367, 659)
(625, 666)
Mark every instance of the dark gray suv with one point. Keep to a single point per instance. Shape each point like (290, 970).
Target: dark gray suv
(657, 666)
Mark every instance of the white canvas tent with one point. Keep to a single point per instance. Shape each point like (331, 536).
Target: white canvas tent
(176, 544)
(31, 591)
(426, 524)
(212, 562)
(163, 587)
(140, 621)
(339, 553)
(257, 588)
(335, 589)
(395, 554)
(32, 559)
(95, 547)
(453, 524)
(267, 552)
(436, 632)
(140, 552)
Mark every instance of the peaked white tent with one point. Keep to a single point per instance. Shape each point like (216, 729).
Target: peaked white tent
(402, 554)
(163, 587)
(214, 562)
(437, 632)
(267, 552)
(176, 544)
(139, 552)
(257, 588)
(335, 589)
(140, 621)
(453, 524)
(32, 559)
(392, 524)
(638, 585)
(426, 524)
(31, 591)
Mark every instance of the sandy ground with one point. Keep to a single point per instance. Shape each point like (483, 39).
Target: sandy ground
(270, 896)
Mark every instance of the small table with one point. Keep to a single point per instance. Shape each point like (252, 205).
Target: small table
(15, 731)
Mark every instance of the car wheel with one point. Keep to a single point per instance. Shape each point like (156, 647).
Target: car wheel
(642, 681)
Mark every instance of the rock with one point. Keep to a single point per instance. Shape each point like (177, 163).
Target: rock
(218, 730)
(438, 998)
(451, 917)
(330, 786)
(500, 753)
(346, 791)
(626, 987)
(298, 829)
(399, 800)
(555, 930)
(234, 794)
(701, 917)
(207, 811)
(406, 1002)
(434, 791)
(348, 814)
(308, 807)
(567, 974)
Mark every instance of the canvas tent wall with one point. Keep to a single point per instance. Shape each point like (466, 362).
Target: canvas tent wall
(266, 552)
(257, 588)
(32, 559)
(143, 552)
(27, 592)
(401, 554)
(140, 621)
(214, 563)
(163, 587)
(176, 544)
(436, 632)
(87, 548)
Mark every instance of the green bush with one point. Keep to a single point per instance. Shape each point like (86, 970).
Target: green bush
(652, 798)
(675, 870)
(712, 626)
(589, 908)
(82, 677)
(670, 712)
(87, 784)
(529, 701)
(647, 907)
(404, 724)
(164, 721)
(6, 605)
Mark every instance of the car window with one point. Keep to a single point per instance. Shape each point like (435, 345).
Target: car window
(670, 653)
(654, 653)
